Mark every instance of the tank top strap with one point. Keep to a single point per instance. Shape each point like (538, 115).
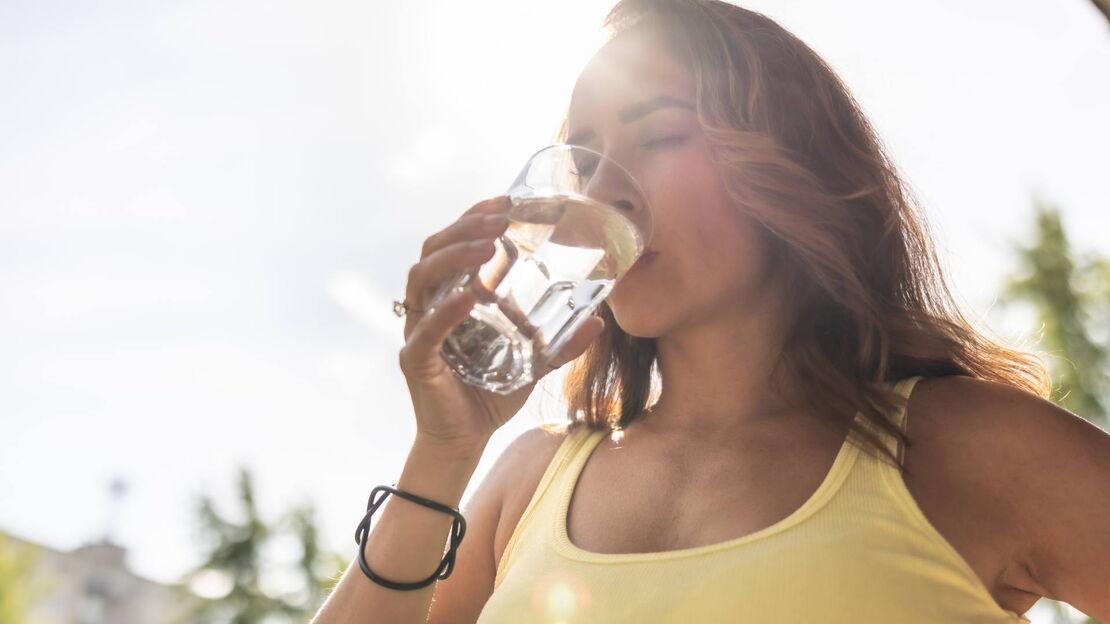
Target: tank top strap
(903, 387)
(543, 507)
(566, 455)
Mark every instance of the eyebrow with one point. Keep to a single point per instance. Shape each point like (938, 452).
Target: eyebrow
(634, 112)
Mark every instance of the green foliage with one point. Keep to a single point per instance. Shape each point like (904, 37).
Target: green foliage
(234, 551)
(320, 571)
(1072, 298)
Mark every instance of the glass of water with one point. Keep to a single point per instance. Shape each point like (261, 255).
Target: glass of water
(577, 222)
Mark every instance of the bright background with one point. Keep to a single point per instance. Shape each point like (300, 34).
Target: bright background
(206, 208)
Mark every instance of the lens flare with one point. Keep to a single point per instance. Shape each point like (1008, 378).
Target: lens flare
(562, 597)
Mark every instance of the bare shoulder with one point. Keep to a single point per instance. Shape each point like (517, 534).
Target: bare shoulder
(997, 418)
(961, 406)
(461, 597)
(528, 455)
(521, 467)
(1032, 470)
(524, 461)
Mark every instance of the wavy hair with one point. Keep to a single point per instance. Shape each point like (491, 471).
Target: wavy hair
(868, 299)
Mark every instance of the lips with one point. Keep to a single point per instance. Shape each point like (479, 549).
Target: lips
(645, 257)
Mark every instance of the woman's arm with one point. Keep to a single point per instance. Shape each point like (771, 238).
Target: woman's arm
(405, 544)
(1053, 472)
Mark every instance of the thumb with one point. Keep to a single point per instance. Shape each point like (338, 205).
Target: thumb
(585, 335)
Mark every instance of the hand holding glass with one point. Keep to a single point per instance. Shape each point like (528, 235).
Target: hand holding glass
(578, 221)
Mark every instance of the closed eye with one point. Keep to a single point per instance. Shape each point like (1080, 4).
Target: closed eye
(663, 141)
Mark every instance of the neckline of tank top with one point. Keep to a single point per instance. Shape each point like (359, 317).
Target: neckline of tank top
(834, 477)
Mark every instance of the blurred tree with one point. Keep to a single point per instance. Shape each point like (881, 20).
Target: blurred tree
(1072, 299)
(319, 570)
(1071, 296)
(235, 553)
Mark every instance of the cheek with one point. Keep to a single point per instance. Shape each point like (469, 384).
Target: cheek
(696, 219)
(722, 254)
(710, 247)
(717, 249)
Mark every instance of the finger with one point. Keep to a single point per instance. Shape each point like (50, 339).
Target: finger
(465, 229)
(440, 270)
(421, 351)
(491, 205)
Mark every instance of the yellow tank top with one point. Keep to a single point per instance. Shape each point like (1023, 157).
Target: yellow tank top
(859, 550)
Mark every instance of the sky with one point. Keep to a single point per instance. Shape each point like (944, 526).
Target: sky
(207, 207)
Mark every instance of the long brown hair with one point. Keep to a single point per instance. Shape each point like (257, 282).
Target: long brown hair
(868, 299)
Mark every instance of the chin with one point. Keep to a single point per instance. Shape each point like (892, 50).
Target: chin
(636, 306)
(640, 321)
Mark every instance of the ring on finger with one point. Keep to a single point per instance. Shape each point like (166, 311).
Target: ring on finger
(401, 308)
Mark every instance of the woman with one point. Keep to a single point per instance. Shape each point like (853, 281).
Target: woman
(793, 306)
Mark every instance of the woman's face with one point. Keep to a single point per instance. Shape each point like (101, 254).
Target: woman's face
(710, 261)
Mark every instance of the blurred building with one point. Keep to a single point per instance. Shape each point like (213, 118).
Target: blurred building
(91, 584)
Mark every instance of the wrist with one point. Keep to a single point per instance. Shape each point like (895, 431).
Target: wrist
(438, 474)
(449, 451)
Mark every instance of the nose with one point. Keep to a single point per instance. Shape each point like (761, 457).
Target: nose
(613, 185)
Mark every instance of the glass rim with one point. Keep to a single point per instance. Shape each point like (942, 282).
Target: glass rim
(613, 161)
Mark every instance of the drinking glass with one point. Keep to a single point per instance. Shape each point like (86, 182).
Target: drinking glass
(577, 222)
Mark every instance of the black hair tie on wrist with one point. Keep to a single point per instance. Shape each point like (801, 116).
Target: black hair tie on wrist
(458, 529)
